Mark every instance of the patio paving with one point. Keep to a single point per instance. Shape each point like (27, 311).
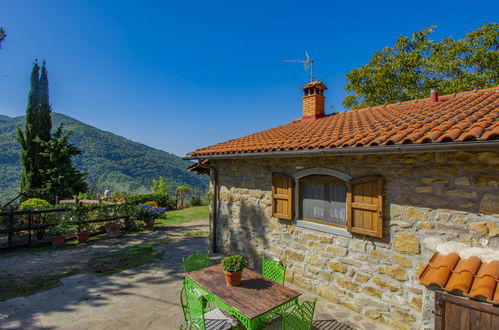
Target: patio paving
(145, 297)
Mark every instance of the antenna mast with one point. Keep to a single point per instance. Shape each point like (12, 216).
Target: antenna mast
(307, 64)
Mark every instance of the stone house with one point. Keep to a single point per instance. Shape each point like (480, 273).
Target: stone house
(355, 203)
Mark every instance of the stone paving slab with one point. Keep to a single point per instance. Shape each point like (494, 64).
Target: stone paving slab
(145, 297)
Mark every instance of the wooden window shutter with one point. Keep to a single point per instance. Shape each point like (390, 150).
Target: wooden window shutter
(282, 196)
(365, 206)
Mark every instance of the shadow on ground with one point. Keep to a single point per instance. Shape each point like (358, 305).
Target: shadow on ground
(144, 295)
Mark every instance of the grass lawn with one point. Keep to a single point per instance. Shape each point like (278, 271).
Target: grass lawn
(190, 214)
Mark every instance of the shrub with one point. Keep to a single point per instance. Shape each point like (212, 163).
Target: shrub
(163, 200)
(38, 219)
(195, 201)
(207, 198)
(34, 204)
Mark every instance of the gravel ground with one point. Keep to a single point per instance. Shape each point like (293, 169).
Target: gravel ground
(22, 266)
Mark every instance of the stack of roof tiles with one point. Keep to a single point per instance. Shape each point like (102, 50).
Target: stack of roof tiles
(466, 277)
(469, 116)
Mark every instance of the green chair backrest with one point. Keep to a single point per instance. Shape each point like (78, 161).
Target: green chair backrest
(196, 261)
(194, 307)
(300, 316)
(273, 270)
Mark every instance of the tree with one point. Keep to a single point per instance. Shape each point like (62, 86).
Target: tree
(159, 186)
(2, 36)
(181, 191)
(60, 179)
(38, 125)
(47, 170)
(407, 70)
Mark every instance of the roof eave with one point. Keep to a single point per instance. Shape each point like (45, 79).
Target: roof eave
(365, 150)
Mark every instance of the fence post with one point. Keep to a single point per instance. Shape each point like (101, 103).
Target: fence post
(30, 219)
(11, 228)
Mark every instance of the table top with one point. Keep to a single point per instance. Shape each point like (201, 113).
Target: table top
(253, 297)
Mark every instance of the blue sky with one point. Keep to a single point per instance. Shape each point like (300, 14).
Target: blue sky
(180, 75)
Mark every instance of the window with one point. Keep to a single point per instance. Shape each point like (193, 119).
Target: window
(323, 200)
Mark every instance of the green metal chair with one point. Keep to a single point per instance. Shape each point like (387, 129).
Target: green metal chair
(299, 317)
(273, 270)
(196, 261)
(195, 315)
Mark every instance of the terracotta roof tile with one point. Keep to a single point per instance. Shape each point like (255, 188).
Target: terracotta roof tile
(460, 282)
(469, 277)
(485, 282)
(439, 269)
(468, 116)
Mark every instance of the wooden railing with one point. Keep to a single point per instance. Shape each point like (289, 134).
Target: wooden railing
(23, 223)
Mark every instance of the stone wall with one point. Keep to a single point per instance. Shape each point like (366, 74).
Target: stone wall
(429, 198)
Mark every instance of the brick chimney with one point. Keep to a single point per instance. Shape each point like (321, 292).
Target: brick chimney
(313, 101)
(434, 94)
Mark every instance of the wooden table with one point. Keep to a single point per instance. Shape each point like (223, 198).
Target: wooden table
(255, 300)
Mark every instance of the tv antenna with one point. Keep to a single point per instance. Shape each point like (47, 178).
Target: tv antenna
(307, 64)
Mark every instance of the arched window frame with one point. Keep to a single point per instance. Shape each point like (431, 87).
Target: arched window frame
(308, 224)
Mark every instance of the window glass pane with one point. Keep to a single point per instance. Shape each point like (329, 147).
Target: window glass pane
(324, 202)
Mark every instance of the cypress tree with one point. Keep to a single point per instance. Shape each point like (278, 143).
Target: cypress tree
(30, 176)
(2, 36)
(47, 169)
(45, 110)
(37, 129)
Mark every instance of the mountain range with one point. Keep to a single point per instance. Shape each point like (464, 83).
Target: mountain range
(110, 161)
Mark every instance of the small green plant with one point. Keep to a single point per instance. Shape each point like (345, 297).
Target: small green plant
(78, 216)
(234, 263)
(60, 228)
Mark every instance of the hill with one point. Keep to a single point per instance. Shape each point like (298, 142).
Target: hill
(111, 161)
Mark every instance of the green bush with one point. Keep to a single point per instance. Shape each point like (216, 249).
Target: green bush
(38, 219)
(163, 200)
(34, 204)
(195, 201)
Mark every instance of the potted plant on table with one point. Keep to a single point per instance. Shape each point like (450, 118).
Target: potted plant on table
(149, 212)
(57, 231)
(233, 268)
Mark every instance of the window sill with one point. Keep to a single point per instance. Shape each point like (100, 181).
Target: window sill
(323, 228)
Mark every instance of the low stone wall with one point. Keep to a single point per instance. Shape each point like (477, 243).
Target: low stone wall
(429, 198)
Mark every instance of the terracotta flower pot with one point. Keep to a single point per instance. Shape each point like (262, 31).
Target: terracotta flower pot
(82, 236)
(233, 278)
(58, 240)
(112, 229)
(149, 224)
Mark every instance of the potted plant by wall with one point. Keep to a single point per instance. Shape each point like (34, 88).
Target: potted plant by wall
(57, 232)
(233, 268)
(79, 214)
(149, 212)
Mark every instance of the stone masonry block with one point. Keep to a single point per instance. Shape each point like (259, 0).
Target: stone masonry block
(406, 242)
